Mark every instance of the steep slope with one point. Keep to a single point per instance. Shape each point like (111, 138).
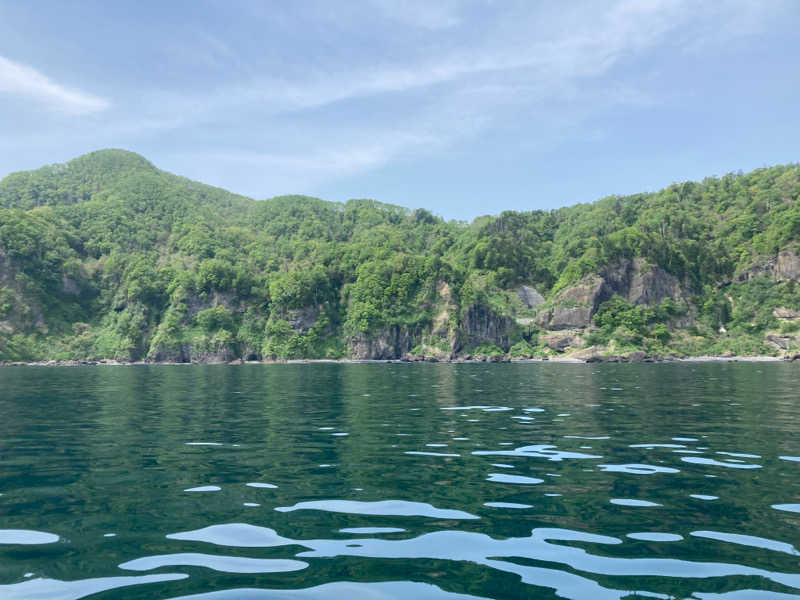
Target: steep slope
(107, 256)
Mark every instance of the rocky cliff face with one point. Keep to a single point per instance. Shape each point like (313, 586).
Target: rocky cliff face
(17, 311)
(302, 320)
(213, 352)
(529, 296)
(634, 280)
(177, 352)
(481, 325)
(787, 266)
(390, 343)
(783, 267)
(640, 283)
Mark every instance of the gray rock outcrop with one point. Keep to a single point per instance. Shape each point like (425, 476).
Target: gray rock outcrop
(575, 317)
(481, 325)
(634, 280)
(640, 283)
(558, 341)
(530, 296)
(781, 342)
(388, 344)
(783, 267)
(303, 319)
(183, 352)
(170, 353)
(787, 267)
(782, 312)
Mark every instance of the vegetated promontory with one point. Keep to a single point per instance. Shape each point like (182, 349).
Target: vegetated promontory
(108, 257)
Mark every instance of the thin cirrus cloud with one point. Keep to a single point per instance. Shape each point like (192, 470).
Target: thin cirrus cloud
(452, 96)
(517, 57)
(17, 79)
(442, 14)
(293, 171)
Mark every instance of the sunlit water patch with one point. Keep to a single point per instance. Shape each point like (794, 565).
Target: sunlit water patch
(653, 536)
(383, 507)
(633, 502)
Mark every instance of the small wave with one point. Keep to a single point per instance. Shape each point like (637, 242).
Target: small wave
(223, 564)
(382, 507)
(27, 537)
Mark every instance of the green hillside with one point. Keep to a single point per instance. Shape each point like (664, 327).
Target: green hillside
(108, 257)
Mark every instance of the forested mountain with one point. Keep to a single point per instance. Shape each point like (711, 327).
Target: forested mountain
(108, 257)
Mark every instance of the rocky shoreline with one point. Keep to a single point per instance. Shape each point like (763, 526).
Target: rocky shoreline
(631, 357)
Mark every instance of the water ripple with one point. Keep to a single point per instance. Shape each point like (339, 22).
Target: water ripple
(653, 536)
(538, 451)
(748, 540)
(204, 488)
(54, 589)
(340, 590)
(26, 537)
(224, 564)
(369, 530)
(381, 507)
(478, 547)
(637, 469)
(242, 535)
(633, 502)
(521, 479)
(424, 453)
(700, 460)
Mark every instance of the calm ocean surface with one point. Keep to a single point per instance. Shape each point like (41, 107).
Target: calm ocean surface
(419, 481)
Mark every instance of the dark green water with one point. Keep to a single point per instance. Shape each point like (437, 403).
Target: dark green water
(400, 481)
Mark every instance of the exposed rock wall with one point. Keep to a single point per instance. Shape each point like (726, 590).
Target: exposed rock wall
(530, 296)
(185, 352)
(641, 283)
(787, 266)
(634, 280)
(23, 312)
(481, 325)
(783, 267)
(390, 343)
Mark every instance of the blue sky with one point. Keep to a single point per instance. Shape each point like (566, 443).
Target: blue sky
(462, 107)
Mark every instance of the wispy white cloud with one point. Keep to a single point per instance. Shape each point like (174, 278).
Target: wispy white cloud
(441, 14)
(271, 172)
(22, 80)
(528, 48)
(555, 68)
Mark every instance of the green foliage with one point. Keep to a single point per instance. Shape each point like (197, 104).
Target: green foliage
(7, 301)
(144, 261)
(750, 304)
(618, 312)
(214, 318)
(521, 349)
(632, 327)
(487, 350)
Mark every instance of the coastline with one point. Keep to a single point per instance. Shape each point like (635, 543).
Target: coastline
(484, 360)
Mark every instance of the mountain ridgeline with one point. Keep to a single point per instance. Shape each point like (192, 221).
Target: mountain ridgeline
(108, 257)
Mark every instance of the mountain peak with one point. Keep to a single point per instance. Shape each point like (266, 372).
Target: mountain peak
(69, 182)
(110, 159)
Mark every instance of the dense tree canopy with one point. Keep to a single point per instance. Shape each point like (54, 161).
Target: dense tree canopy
(144, 261)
